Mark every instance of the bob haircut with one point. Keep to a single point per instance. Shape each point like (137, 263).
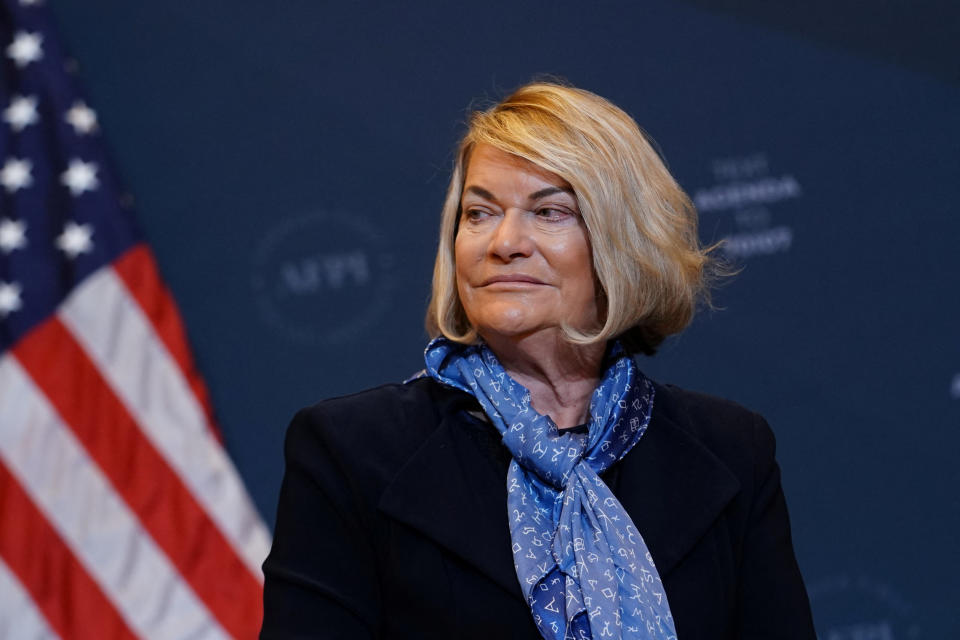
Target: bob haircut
(642, 227)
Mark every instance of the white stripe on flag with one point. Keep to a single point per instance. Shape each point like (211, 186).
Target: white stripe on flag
(114, 332)
(19, 617)
(68, 487)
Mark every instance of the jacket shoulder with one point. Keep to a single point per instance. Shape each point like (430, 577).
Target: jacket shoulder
(696, 410)
(370, 434)
(738, 436)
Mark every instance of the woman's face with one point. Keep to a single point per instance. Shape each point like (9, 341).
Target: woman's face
(522, 251)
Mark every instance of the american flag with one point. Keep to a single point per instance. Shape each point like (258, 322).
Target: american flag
(121, 514)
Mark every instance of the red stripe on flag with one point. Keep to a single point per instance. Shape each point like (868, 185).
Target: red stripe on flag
(72, 603)
(167, 509)
(138, 271)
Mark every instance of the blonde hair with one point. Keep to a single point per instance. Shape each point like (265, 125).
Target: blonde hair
(642, 227)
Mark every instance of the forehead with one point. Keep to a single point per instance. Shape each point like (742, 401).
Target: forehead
(490, 167)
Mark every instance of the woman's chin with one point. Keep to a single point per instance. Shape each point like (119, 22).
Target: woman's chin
(515, 328)
(508, 327)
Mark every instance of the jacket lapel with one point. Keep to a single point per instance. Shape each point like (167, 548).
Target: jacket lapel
(451, 493)
(674, 488)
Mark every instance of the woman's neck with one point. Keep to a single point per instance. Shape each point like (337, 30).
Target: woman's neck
(560, 376)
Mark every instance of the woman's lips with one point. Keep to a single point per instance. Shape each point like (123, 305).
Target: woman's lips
(517, 279)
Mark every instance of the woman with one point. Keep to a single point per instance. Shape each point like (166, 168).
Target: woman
(532, 482)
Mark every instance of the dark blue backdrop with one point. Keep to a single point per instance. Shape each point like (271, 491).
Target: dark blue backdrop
(289, 162)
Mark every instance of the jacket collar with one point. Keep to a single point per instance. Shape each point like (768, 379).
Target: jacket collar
(672, 485)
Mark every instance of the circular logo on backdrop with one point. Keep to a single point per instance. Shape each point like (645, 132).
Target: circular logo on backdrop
(858, 608)
(323, 278)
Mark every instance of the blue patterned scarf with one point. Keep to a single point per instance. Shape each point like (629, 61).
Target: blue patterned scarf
(582, 565)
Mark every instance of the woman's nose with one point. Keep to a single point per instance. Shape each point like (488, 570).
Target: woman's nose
(511, 239)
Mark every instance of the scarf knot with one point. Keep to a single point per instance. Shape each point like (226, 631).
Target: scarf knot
(581, 561)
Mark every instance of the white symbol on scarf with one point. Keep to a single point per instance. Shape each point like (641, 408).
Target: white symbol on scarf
(582, 570)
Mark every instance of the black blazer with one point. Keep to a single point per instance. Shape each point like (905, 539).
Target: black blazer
(392, 522)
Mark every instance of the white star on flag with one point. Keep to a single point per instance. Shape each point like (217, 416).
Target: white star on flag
(25, 48)
(9, 298)
(12, 234)
(15, 174)
(80, 176)
(75, 239)
(21, 112)
(82, 118)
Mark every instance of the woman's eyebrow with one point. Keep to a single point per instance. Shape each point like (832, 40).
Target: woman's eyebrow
(549, 191)
(536, 195)
(480, 191)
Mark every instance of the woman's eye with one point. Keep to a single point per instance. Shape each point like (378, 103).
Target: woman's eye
(474, 214)
(551, 213)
